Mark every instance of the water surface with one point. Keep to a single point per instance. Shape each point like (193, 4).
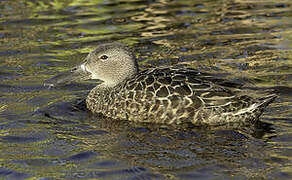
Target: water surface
(45, 133)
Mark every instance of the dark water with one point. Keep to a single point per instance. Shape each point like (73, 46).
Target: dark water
(45, 135)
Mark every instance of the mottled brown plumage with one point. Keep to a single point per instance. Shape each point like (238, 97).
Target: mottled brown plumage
(166, 95)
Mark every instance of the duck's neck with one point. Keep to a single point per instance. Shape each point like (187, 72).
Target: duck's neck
(119, 80)
(108, 85)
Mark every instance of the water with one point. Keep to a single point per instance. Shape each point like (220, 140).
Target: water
(46, 134)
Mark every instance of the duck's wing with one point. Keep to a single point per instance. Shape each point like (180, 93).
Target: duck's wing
(178, 94)
(213, 91)
(221, 104)
(176, 84)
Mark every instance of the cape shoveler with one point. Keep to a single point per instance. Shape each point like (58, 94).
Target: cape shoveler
(168, 95)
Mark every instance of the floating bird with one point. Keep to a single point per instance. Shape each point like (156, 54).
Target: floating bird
(165, 95)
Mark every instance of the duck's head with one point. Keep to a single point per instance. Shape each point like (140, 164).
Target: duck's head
(111, 63)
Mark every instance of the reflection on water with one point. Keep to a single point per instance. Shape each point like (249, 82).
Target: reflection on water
(44, 133)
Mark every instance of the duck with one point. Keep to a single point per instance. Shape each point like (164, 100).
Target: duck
(168, 95)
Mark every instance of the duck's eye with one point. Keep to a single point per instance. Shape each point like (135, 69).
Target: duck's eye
(103, 57)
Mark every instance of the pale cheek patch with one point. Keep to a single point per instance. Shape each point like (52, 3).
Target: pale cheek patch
(83, 67)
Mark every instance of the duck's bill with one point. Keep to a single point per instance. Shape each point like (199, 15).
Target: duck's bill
(76, 74)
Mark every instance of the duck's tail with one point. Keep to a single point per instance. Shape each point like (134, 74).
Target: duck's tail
(265, 101)
(251, 114)
(239, 118)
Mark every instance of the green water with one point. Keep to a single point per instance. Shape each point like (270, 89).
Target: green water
(43, 134)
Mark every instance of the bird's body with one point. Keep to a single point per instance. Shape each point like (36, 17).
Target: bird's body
(175, 96)
(166, 95)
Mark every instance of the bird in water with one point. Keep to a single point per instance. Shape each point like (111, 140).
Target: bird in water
(164, 95)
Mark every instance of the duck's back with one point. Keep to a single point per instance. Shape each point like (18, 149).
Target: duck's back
(174, 96)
